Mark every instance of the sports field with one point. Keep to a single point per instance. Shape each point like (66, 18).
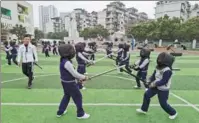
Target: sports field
(108, 99)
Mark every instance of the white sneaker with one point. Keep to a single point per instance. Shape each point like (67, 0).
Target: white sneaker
(85, 116)
(62, 114)
(84, 88)
(172, 117)
(136, 87)
(140, 111)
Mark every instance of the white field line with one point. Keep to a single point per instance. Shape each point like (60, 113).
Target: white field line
(178, 97)
(91, 104)
(185, 101)
(12, 80)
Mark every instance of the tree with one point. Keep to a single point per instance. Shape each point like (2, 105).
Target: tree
(19, 31)
(167, 29)
(38, 34)
(98, 30)
(57, 35)
(190, 29)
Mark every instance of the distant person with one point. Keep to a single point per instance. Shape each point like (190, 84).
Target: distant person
(13, 51)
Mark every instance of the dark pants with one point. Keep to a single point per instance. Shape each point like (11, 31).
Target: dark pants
(71, 90)
(141, 75)
(92, 57)
(43, 50)
(47, 53)
(162, 97)
(14, 56)
(27, 69)
(9, 57)
(107, 53)
(55, 51)
(117, 61)
(81, 69)
(126, 66)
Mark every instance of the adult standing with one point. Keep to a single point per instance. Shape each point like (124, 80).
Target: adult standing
(29, 56)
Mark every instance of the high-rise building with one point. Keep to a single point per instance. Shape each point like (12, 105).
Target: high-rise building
(93, 18)
(194, 11)
(55, 25)
(45, 15)
(16, 12)
(101, 18)
(63, 15)
(116, 17)
(180, 9)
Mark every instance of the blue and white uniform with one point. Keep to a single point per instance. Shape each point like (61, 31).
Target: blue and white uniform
(68, 77)
(125, 60)
(142, 64)
(119, 55)
(162, 81)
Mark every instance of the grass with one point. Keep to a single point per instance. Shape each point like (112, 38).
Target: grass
(112, 88)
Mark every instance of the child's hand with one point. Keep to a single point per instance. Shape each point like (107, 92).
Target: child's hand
(86, 78)
(152, 85)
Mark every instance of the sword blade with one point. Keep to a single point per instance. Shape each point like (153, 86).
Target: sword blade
(100, 74)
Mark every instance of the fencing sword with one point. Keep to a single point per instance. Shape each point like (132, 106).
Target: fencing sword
(100, 59)
(38, 65)
(100, 74)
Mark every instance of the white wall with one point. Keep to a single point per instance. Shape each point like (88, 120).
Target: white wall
(49, 27)
(12, 5)
(101, 18)
(172, 9)
(194, 13)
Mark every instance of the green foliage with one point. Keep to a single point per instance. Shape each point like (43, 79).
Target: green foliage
(19, 31)
(98, 30)
(167, 29)
(57, 35)
(38, 34)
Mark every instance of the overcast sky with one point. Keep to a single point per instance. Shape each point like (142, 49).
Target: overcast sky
(68, 6)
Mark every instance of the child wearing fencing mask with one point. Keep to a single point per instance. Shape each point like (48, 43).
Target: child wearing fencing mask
(81, 60)
(159, 83)
(69, 79)
(125, 58)
(142, 66)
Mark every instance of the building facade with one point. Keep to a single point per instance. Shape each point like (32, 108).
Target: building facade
(45, 15)
(55, 25)
(194, 11)
(114, 17)
(101, 18)
(16, 12)
(180, 9)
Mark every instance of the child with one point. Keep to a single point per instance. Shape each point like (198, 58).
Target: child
(161, 82)
(126, 58)
(69, 82)
(46, 48)
(55, 48)
(13, 51)
(93, 49)
(109, 49)
(119, 53)
(8, 56)
(81, 60)
(142, 66)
